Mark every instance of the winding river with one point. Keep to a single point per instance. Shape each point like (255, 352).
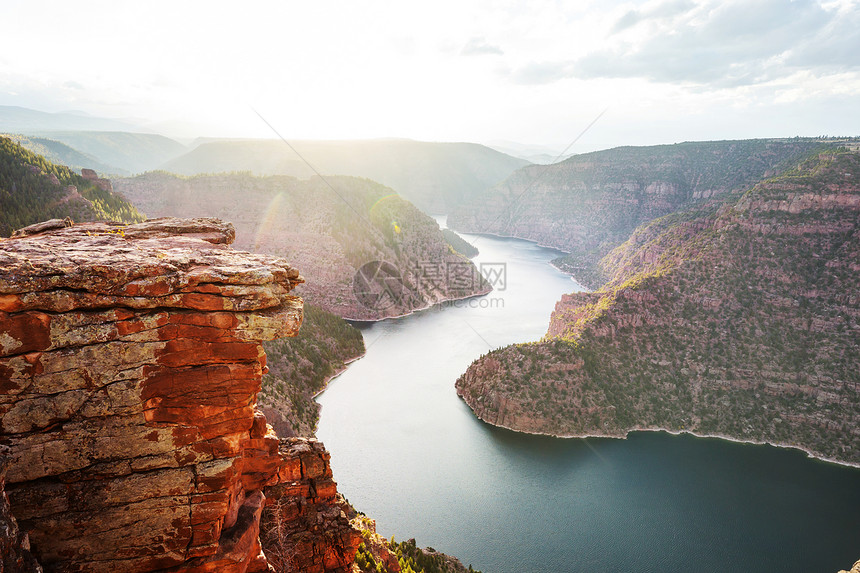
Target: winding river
(410, 454)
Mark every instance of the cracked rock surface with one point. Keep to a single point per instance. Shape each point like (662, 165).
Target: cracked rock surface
(130, 362)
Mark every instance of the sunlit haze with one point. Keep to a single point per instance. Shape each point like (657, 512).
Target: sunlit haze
(529, 72)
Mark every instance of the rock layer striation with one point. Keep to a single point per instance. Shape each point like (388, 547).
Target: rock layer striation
(130, 362)
(740, 321)
(589, 204)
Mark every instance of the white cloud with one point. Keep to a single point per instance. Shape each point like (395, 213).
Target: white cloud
(480, 47)
(718, 44)
(536, 71)
(661, 10)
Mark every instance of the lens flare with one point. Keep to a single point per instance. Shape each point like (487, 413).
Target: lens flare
(379, 202)
(267, 222)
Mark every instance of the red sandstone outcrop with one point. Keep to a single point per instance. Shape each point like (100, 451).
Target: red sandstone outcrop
(90, 175)
(303, 523)
(130, 362)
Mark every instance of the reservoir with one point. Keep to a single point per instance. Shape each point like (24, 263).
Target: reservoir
(410, 454)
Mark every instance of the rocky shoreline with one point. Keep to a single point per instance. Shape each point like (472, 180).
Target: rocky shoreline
(810, 454)
(739, 322)
(429, 306)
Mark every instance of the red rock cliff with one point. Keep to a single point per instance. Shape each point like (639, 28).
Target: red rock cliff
(130, 362)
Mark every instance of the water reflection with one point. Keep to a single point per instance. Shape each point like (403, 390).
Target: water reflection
(409, 453)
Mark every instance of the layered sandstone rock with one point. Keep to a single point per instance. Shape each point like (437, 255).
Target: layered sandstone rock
(304, 525)
(741, 320)
(130, 362)
(590, 203)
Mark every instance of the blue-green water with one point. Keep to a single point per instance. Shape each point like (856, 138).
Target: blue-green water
(410, 454)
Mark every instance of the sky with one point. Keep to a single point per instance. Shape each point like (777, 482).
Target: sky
(536, 72)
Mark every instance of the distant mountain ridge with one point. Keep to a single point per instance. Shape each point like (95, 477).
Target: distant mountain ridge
(538, 154)
(436, 177)
(128, 152)
(17, 119)
(115, 147)
(61, 154)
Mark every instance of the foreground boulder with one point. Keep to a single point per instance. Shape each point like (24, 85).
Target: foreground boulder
(130, 362)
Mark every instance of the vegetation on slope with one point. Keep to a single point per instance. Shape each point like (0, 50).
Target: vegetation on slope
(460, 244)
(740, 321)
(32, 189)
(328, 228)
(379, 555)
(300, 367)
(589, 204)
(410, 559)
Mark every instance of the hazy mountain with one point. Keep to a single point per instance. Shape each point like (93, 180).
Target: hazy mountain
(114, 146)
(736, 318)
(62, 154)
(434, 176)
(539, 154)
(128, 152)
(16, 119)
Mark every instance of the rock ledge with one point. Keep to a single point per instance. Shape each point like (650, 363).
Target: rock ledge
(130, 362)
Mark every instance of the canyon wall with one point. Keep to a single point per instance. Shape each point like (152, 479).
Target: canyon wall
(588, 204)
(338, 228)
(130, 362)
(742, 321)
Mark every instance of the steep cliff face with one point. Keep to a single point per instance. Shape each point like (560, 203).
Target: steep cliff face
(130, 362)
(300, 368)
(590, 203)
(304, 528)
(743, 322)
(338, 228)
